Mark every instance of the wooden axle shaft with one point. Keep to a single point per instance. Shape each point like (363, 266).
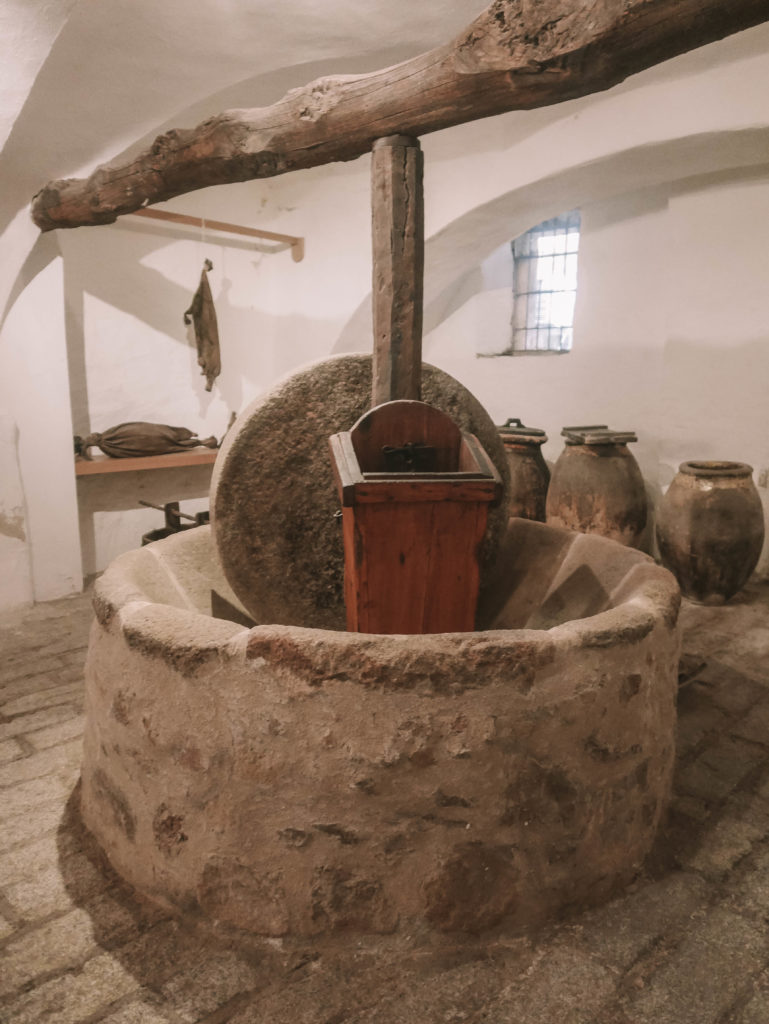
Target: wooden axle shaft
(398, 240)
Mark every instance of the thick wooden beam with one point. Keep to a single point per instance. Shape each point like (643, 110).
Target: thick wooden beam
(397, 231)
(517, 55)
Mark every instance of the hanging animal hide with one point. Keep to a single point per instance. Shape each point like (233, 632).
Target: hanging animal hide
(134, 440)
(203, 315)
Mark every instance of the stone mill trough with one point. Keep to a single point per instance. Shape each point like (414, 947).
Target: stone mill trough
(251, 762)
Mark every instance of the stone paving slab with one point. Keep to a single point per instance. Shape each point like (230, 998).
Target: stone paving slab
(705, 976)
(68, 693)
(687, 943)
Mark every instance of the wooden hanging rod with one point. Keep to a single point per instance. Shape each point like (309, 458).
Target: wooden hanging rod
(297, 244)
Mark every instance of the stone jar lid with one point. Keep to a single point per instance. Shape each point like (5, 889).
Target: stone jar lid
(716, 469)
(514, 432)
(600, 434)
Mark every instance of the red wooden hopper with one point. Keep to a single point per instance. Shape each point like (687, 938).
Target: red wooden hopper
(415, 492)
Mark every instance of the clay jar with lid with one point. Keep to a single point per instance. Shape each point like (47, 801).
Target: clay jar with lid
(710, 529)
(529, 474)
(597, 487)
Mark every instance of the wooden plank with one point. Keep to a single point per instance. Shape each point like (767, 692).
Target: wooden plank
(359, 461)
(344, 464)
(411, 540)
(296, 244)
(434, 477)
(106, 464)
(514, 56)
(401, 422)
(389, 568)
(414, 567)
(473, 455)
(402, 489)
(354, 570)
(453, 568)
(397, 232)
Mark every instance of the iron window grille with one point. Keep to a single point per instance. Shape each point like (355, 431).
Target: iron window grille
(545, 285)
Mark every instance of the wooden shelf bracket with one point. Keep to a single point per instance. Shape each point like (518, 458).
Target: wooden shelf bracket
(296, 244)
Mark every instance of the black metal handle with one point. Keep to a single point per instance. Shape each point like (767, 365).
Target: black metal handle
(171, 509)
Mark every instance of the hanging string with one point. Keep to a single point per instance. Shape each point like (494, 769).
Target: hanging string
(206, 262)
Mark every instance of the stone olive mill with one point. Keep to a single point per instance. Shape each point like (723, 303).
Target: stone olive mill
(365, 700)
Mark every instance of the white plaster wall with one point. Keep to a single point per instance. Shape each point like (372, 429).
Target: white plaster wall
(628, 158)
(15, 572)
(132, 358)
(27, 32)
(83, 81)
(647, 259)
(40, 427)
(717, 348)
(612, 372)
(671, 332)
(716, 354)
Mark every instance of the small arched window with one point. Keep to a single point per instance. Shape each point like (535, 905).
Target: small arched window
(545, 285)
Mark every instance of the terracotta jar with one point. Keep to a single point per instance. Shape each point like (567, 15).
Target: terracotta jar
(597, 487)
(710, 529)
(529, 474)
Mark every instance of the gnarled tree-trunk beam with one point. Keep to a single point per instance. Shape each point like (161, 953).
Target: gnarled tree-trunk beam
(518, 54)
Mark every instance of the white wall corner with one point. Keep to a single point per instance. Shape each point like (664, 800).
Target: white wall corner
(15, 571)
(33, 344)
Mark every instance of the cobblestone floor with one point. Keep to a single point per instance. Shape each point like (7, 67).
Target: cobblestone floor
(688, 944)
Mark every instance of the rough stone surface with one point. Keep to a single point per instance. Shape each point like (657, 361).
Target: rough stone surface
(304, 782)
(273, 496)
(679, 945)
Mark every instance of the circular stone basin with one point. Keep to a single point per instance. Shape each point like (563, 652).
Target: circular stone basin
(305, 782)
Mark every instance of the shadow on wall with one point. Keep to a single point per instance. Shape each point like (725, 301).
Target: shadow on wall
(110, 522)
(15, 580)
(456, 249)
(110, 265)
(45, 249)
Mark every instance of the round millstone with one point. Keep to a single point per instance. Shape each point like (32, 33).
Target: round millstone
(273, 496)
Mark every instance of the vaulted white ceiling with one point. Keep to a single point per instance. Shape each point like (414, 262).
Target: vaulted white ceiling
(82, 80)
(86, 81)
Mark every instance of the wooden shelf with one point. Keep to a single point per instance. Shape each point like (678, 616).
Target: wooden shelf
(296, 244)
(106, 464)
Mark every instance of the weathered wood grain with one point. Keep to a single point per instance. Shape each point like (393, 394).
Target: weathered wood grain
(412, 567)
(411, 541)
(518, 54)
(398, 243)
(402, 422)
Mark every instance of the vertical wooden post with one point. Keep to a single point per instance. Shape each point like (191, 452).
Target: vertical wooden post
(397, 207)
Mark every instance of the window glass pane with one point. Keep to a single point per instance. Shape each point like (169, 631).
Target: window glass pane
(545, 285)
